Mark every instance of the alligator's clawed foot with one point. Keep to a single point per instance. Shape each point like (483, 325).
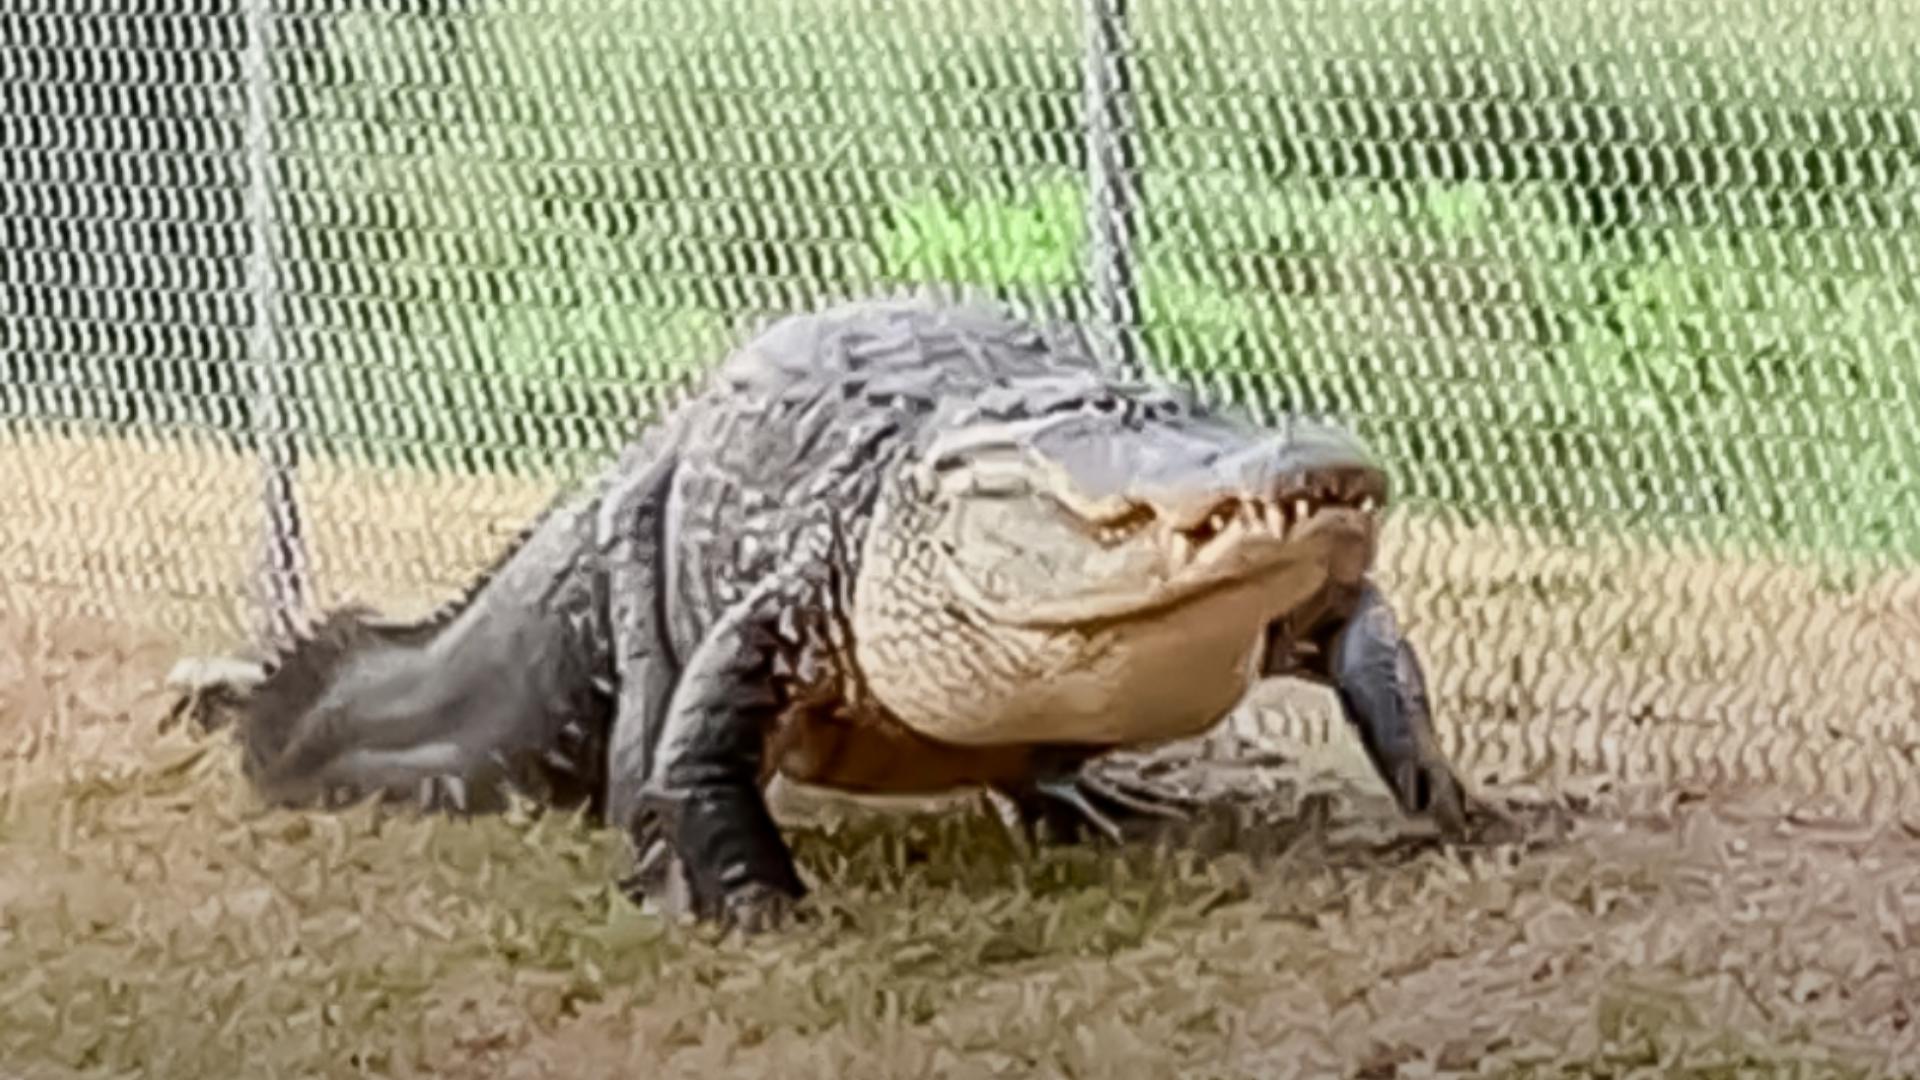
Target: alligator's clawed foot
(1070, 806)
(1430, 789)
(758, 908)
(755, 907)
(1487, 821)
(210, 691)
(649, 884)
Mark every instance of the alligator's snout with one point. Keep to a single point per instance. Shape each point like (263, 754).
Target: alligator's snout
(1273, 484)
(1317, 461)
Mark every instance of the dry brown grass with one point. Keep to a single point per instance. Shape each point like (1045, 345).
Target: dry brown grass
(154, 921)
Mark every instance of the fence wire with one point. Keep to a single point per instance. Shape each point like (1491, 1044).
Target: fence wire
(1625, 291)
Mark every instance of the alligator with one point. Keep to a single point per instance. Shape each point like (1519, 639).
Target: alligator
(890, 546)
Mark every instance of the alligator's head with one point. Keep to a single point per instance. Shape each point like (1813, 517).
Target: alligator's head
(1066, 561)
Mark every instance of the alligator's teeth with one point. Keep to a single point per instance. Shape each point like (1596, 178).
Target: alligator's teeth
(1366, 504)
(1274, 518)
(1180, 550)
(1301, 509)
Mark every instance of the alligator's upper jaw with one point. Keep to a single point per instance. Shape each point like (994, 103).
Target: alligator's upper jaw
(1315, 527)
(1243, 522)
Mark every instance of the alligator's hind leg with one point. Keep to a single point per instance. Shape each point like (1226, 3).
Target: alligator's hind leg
(1067, 800)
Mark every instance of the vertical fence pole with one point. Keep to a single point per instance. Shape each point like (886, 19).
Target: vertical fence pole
(283, 568)
(1113, 177)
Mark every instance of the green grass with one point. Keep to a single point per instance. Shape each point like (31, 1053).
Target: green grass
(1552, 282)
(173, 930)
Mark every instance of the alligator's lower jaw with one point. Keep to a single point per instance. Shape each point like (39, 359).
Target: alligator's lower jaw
(1337, 545)
(1153, 676)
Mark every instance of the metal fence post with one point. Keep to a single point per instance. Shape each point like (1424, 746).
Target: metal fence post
(283, 570)
(1113, 176)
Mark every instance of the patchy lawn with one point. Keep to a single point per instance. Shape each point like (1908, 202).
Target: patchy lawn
(154, 921)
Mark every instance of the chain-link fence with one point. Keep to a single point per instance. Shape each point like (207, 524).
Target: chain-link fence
(1625, 291)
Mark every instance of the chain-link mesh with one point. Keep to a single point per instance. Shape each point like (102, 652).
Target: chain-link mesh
(1626, 292)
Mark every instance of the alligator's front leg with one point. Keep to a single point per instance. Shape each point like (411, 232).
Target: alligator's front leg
(1383, 694)
(631, 533)
(704, 791)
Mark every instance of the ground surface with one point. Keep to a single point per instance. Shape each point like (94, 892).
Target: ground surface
(155, 922)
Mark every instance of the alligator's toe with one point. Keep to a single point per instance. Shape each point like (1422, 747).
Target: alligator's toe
(657, 883)
(1131, 799)
(1430, 789)
(759, 908)
(1075, 808)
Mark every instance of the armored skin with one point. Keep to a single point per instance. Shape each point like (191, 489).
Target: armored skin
(892, 546)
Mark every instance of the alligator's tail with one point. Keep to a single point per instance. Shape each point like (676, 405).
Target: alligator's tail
(503, 690)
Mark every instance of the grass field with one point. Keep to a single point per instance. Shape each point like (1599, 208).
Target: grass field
(158, 923)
